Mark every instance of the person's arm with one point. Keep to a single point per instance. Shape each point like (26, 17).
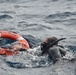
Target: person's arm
(18, 48)
(62, 51)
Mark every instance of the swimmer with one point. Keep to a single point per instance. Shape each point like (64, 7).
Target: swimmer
(55, 52)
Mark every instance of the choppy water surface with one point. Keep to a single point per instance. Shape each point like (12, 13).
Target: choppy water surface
(39, 19)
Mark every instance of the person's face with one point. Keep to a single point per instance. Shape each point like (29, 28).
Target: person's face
(43, 46)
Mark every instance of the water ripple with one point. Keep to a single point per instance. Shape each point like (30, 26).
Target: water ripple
(5, 17)
(66, 18)
(61, 15)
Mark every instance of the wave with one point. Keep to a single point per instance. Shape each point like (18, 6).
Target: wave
(55, 0)
(8, 12)
(5, 17)
(66, 17)
(61, 15)
(15, 1)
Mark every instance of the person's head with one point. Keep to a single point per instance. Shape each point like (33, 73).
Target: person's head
(48, 41)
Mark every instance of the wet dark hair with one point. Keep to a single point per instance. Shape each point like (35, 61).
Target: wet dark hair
(47, 42)
(51, 40)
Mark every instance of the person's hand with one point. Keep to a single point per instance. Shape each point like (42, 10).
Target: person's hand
(16, 48)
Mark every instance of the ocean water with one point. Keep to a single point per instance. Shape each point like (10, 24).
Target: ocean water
(39, 19)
